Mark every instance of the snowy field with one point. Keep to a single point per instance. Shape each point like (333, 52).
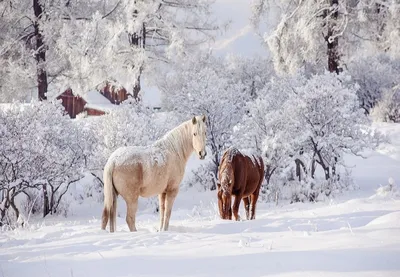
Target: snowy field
(356, 234)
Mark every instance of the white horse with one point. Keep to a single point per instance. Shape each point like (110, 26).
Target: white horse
(147, 171)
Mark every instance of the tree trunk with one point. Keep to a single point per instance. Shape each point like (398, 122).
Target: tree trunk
(12, 204)
(320, 160)
(5, 201)
(313, 168)
(40, 54)
(332, 40)
(136, 88)
(268, 173)
(46, 209)
(52, 209)
(298, 169)
(138, 40)
(299, 165)
(216, 163)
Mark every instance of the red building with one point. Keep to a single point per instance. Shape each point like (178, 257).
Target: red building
(93, 103)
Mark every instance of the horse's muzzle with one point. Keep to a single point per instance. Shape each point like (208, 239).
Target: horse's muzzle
(202, 155)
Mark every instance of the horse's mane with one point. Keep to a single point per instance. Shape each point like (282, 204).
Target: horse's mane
(175, 140)
(231, 152)
(226, 164)
(228, 155)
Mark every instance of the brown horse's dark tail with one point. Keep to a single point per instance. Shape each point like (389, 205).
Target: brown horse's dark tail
(110, 198)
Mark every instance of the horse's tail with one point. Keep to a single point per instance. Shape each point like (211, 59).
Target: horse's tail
(110, 197)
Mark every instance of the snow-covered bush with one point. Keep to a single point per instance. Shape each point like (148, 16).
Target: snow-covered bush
(304, 127)
(387, 191)
(375, 75)
(40, 149)
(388, 108)
(129, 124)
(203, 178)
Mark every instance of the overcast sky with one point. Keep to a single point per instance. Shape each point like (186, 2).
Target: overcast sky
(240, 37)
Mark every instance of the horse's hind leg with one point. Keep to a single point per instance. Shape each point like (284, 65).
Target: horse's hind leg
(246, 202)
(113, 215)
(169, 202)
(105, 216)
(131, 208)
(161, 200)
(253, 199)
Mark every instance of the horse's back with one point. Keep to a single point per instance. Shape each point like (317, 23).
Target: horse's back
(139, 169)
(248, 170)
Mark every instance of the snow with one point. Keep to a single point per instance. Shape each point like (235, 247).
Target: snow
(148, 155)
(352, 235)
(350, 238)
(96, 100)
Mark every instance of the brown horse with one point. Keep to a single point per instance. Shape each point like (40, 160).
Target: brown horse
(241, 176)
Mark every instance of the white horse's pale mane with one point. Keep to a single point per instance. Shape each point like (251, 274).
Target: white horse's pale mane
(176, 140)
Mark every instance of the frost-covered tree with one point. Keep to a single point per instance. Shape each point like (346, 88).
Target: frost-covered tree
(38, 151)
(327, 33)
(388, 108)
(56, 44)
(30, 34)
(305, 124)
(253, 72)
(25, 52)
(139, 37)
(200, 86)
(375, 75)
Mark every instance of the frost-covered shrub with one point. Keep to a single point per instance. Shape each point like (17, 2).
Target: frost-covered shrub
(304, 127)
(203, 178)
(387, 191)
(375, 75)
(40, 149)
(130, 124)
(388, 108)
(285, 186)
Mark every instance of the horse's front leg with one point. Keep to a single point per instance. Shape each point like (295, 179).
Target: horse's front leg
(246, 202)
(220, 205)
(169, 202)
(161, 201)
(236, 205)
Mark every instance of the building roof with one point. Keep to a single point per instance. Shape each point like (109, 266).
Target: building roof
(95, 100)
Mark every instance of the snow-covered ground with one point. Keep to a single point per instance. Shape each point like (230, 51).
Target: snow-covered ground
(354, 235)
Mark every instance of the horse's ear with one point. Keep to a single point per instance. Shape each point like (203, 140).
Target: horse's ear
(194, 120)
(203, 118)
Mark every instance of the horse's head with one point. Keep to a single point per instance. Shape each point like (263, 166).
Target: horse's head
(199, 135)
(225, 186)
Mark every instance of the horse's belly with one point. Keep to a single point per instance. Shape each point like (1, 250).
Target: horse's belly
(152, 185)
(151, 191)
(251, 187)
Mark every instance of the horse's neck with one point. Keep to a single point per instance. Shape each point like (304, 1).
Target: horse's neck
(179, 141)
